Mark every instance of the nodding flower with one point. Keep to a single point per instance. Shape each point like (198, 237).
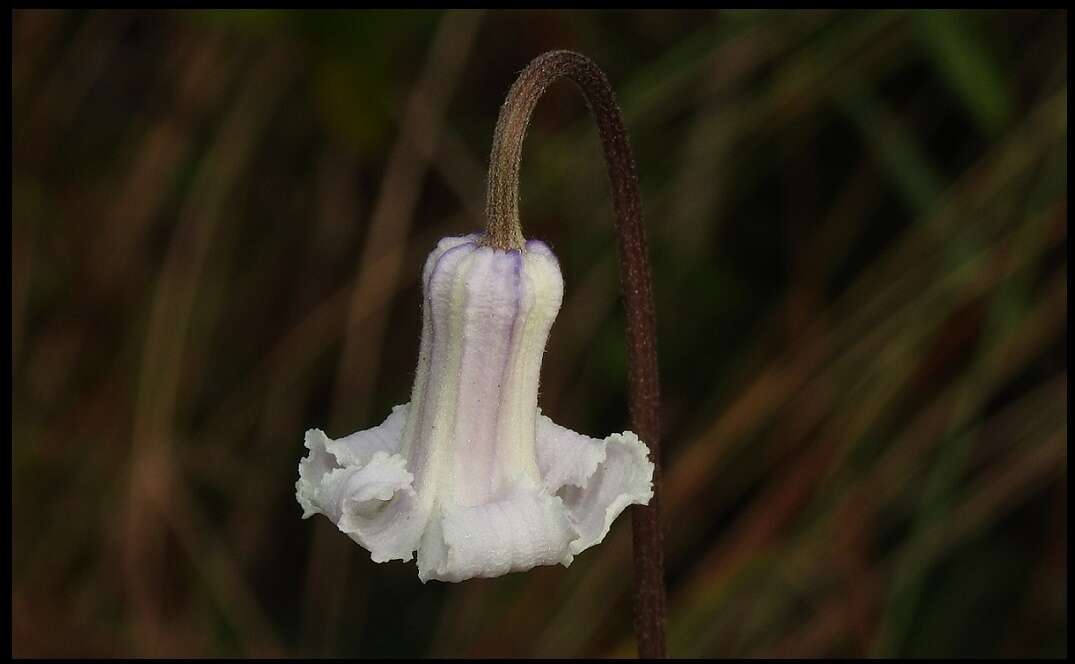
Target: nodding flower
(470, 474)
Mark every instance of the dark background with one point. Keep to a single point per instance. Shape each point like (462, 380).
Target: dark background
(858, 225)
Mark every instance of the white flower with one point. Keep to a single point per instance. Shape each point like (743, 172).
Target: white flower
(470, 474)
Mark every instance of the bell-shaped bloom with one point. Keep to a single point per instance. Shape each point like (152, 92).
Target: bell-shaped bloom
(470, 474)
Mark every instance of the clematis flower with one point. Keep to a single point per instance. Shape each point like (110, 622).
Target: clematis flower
(470, 474)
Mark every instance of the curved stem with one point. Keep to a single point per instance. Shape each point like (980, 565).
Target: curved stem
(503, 232)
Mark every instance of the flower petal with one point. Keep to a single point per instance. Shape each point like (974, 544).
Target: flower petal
(356, 491)
(363, 487)
(596, 479)
(378, 509)
(469, 474)
(565, 457)
(311, 471)
(360, 446)
(527, 529)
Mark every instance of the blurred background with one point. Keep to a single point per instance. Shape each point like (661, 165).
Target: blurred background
(858, 225)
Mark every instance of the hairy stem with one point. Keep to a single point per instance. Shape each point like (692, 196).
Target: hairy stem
(504, 232)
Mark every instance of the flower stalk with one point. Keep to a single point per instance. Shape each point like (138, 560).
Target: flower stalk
(504, 233)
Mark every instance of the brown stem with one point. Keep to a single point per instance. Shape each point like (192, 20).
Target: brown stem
(503, 232)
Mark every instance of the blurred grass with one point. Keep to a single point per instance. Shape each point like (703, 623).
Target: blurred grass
(858, 223)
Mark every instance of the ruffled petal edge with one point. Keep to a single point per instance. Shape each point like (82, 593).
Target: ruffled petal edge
(363, 487)
(595, 479)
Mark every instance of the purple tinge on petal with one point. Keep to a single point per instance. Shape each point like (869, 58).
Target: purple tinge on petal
(469, 474)
(432, 389)
(488, 320)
